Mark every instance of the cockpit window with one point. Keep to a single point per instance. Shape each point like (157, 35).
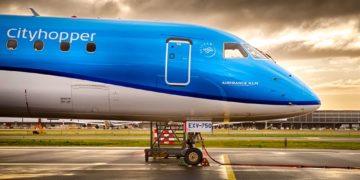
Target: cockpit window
(257, 54)
(234, 51)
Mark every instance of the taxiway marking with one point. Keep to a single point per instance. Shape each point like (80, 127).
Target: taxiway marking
(229, 170)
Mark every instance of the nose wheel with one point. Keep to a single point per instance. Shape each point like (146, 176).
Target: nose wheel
(193, 156)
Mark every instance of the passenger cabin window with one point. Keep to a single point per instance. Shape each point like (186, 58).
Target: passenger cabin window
(64, 46)
(11, 44)
(38, 45)
(234, 51)
(257, 54)
(91, 47)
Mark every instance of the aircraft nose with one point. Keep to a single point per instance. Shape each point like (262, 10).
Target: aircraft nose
(291, 89)
(301, 94)
(313, 98)
(306, 94)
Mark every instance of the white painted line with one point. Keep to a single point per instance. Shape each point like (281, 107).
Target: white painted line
(42, 175)
(223, 168)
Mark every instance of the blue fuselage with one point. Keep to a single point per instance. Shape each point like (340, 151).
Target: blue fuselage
(139, 55)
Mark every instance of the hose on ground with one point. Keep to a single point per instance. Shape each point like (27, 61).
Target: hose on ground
(272, 165)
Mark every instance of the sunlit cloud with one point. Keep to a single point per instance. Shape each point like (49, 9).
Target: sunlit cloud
(345, 61)
(342, 84)
(124, 8)
(330, 77)
(337, 35)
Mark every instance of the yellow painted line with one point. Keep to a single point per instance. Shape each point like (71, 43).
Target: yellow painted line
(229, 170)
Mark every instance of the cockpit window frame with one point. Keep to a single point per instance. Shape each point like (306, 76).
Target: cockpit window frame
(242, 51)
(259, 51)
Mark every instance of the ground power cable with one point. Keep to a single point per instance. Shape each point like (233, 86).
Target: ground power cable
(273, 165)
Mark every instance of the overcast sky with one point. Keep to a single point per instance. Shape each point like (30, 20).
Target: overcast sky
(318, 40)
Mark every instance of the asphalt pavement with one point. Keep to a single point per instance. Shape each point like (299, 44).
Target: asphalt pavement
(128, 163)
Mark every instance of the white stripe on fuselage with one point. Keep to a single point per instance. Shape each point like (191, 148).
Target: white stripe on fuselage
(37, 95)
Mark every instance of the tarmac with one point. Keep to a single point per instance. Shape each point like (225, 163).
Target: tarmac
(128, 163)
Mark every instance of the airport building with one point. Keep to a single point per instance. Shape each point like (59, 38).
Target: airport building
(327, 119)
(323, 119)
(32, 123)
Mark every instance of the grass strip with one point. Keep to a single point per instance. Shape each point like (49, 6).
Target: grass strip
(73, 142)
(217, 133)
(204, 135)
(298, 144)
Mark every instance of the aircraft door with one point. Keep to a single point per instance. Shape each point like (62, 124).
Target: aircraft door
(90, 99)
(178, 62)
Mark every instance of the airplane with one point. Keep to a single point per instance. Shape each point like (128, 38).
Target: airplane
(107, 69)
(107, 124)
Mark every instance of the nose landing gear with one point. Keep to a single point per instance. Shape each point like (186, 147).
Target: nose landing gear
(171, 140)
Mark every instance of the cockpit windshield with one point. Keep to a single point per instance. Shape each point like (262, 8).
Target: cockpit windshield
(234, 51)
(256, 53)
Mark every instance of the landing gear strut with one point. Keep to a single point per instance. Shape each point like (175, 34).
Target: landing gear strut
(193, 156)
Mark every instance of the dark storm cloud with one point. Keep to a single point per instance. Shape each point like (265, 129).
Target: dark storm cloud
(232, 14)
(227, 14)
(62, 7)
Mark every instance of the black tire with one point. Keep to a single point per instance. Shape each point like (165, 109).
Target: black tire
(146, 156)
(193, 156)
